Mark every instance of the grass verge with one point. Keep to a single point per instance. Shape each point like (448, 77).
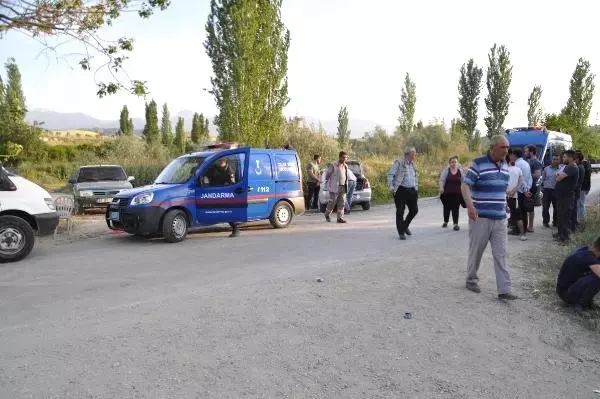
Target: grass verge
(547, 260)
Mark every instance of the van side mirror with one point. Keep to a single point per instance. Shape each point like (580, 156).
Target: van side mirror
(130, 178)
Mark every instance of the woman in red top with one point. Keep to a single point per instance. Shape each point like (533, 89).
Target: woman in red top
(450, 193)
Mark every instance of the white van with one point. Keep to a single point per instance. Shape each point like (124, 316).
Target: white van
(25, 209)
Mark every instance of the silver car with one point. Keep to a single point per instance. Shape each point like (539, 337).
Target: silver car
(95, 186)
(361, 194)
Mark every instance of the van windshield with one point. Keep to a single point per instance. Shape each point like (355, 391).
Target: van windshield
(101, 173)
(179, 170)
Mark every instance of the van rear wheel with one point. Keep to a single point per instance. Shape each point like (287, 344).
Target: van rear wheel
(282, 215)
(175, 226)
(16, 238)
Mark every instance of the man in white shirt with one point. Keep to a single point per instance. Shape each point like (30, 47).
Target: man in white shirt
(524, 205)
(515, 182)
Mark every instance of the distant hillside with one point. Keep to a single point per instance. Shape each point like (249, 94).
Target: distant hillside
(53, 120)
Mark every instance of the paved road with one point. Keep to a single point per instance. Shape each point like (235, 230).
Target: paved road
(118, 317)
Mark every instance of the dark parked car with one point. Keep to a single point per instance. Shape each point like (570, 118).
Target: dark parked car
(94, 186)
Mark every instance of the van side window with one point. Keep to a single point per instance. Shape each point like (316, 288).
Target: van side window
(224, 171)
(286, 166)
(260, 167)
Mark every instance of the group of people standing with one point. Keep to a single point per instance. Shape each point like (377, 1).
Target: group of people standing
(501, 178)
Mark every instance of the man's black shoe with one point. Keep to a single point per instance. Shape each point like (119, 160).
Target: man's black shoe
(546, 224)
(402, 236)
(340, 220)
(507, 297)
(408, 232)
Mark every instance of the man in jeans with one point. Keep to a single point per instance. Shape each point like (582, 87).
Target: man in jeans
(403, 183)
(484, 191)
(314, 182)
(548, 184)
(337, 185)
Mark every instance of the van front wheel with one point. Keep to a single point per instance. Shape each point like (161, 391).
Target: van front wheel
(282, 215)
(175, 226)
(16, 238)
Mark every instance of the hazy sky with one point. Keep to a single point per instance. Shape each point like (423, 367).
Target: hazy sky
(343, 52)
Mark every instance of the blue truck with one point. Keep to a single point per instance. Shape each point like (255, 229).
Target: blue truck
(213, 186)
(547, 142)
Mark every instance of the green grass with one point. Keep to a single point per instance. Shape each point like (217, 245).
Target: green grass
(544, 269)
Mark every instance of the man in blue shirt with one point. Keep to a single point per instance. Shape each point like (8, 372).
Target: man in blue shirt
(578, 281)
(548, 184)
(484, 191)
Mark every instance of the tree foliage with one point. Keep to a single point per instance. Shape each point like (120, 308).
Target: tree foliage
(248, 43)
(535, 114)
(343, 134)
(125, 123)
(180, 138)
(408, 103)
(81, 21)
(166, 129)
(199, 128)
(16, 136)
(151, 129)
(498, 79)
(581, 94)
(469, 89)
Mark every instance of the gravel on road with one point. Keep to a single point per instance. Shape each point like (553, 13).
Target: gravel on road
(120, 317)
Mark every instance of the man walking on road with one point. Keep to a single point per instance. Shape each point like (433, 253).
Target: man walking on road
(314, 182)
(337, 185)
(403, 183)
(548, 185)
(484, 191)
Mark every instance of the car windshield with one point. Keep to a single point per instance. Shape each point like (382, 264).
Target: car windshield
(179, 170)
(8, 173)
(101, 173)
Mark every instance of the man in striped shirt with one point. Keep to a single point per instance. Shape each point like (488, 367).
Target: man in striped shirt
(484, 191)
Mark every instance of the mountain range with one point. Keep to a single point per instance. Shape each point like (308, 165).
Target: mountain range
(53, 120)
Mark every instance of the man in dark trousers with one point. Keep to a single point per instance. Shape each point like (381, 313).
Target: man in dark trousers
(314, 182)
(566, 182)
(536, 166)
(578, 157)
(585, 188)
(578, 281)
(548, 185)
(403, 183)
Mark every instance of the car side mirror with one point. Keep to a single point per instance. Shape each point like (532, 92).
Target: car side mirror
(130, 178)
(72, 180)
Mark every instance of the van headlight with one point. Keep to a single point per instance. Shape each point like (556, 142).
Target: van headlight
(86, 193)
(142, 199)
(50, 203)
